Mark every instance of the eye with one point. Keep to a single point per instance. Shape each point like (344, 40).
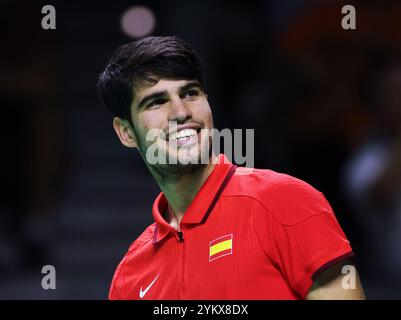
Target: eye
(191, 93)
(156, 103)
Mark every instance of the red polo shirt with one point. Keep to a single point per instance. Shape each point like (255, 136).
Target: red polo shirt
(248, 234)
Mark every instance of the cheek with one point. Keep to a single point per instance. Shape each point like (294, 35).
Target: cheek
(202, 112)
(150, 120)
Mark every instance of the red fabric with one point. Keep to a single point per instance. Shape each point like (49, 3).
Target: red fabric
(282, 232)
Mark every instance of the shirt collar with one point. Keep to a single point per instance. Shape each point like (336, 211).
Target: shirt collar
(203, 203)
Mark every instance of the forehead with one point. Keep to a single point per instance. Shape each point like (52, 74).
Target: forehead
(146, 88)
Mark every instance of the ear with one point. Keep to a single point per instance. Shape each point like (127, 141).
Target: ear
(125, 132)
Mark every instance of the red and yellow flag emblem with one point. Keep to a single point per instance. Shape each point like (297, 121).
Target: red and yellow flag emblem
(221, 247)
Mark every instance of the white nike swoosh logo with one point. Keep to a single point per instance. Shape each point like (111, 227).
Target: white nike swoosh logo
(142, 293)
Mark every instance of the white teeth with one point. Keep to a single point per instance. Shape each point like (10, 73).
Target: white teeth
(182, 134)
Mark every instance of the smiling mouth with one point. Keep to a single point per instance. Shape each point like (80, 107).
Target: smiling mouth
(183, 135)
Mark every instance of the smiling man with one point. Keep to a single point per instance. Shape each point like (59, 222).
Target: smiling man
(220, 231)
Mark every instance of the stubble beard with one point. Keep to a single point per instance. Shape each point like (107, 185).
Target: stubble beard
(177, 169)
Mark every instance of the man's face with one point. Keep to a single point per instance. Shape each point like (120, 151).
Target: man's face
(176, 111)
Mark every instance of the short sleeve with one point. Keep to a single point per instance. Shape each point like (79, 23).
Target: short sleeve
(304, 250)
(299, 232)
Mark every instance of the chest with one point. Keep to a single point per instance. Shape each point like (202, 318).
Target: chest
(221, 259)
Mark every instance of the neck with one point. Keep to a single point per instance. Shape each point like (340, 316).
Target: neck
(181, 189)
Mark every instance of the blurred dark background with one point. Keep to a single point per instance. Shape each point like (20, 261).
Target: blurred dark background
(325, 104)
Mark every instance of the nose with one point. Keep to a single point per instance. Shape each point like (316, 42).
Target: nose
(179, 111)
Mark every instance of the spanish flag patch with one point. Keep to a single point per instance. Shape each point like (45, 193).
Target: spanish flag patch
(221, 247)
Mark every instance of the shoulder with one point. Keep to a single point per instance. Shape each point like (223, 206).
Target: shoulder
(143, 239)
(288, 199)
(141, 242)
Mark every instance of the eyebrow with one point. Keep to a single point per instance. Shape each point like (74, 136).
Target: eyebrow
(161, 94)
